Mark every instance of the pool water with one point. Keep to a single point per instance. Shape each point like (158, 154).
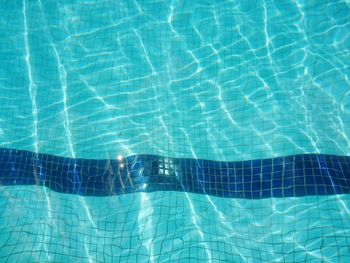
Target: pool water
(43, 226)
(175, 131)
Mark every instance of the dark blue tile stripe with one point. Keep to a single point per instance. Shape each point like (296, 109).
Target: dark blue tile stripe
(298, 175)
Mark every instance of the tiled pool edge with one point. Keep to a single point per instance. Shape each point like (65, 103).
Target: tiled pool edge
(290, 176)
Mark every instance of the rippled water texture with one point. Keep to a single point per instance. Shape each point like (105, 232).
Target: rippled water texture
(221, 80)
(218, 80)
(153, 228)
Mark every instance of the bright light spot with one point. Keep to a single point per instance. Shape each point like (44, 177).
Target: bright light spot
(119, 157)
(121, 165)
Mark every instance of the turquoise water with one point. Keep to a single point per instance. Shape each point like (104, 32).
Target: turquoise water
(217, 80)
(171, 226)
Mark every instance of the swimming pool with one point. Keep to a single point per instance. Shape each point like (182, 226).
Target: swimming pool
(175, 131)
